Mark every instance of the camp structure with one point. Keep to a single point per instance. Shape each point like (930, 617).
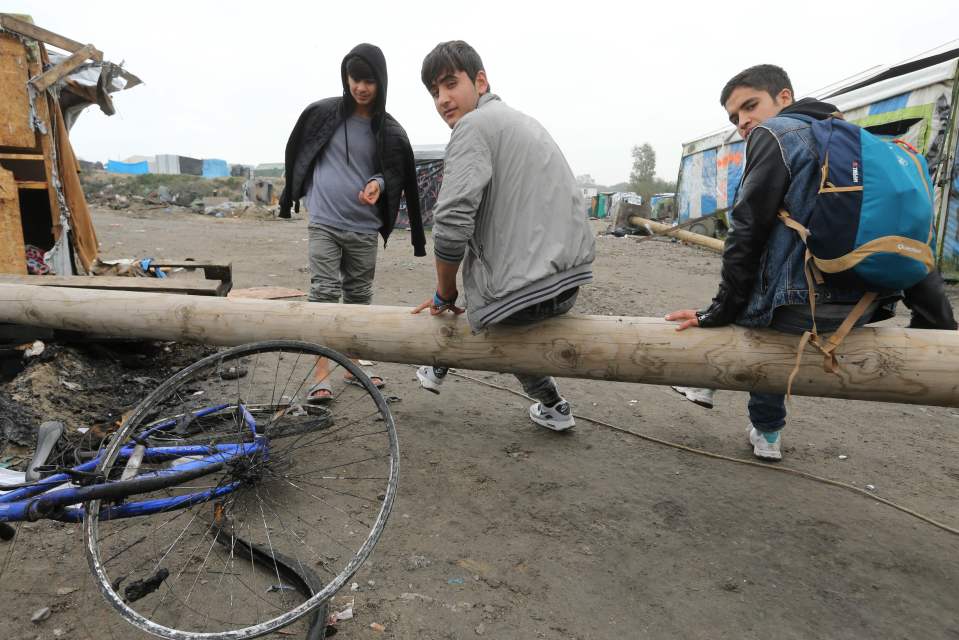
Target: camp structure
(914, 100)
(46, 231)
(45, 225)
(429, 178)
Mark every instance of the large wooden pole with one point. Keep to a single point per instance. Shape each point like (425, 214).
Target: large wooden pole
(679, 234)
(886, 365)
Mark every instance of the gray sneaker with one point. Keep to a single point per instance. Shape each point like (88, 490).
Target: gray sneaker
(766, 444)
(428, 379)
(702, 397)
(559, 417)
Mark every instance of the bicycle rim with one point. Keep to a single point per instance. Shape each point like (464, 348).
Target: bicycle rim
(258, 545)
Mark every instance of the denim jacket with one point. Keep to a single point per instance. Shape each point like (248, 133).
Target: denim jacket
(781, 279)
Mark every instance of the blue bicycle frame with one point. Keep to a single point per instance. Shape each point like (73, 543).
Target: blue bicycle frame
(64, 503)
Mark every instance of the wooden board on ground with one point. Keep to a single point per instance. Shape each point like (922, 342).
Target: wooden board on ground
(187, 286)
(13, 258)
(266, 293)
(211, 270)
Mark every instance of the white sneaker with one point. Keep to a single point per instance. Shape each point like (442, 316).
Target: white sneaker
(766, 445)
(559, 417)
(428, 379)
(702, 397)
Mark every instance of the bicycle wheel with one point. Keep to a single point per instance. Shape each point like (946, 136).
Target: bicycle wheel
(275, 531)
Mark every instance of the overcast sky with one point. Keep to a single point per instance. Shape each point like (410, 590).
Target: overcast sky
(228, 79)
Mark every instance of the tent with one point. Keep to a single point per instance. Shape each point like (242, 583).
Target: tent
(913, 100)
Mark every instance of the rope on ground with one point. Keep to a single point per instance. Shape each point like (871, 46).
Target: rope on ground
(751, 463)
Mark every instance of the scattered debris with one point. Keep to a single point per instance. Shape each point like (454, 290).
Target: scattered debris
(843, 456)
(345, 614)
(416, 562)
(376, 626)
(40, 615)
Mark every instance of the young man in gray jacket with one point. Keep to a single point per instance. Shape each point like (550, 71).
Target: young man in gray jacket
(510, 211)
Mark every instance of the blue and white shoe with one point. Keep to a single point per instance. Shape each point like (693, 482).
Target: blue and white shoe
(766, 444)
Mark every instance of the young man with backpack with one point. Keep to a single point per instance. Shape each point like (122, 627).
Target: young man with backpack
(353, 161)
(510, 211)
(767, 275)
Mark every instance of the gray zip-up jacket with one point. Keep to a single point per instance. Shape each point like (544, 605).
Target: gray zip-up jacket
(511, 211)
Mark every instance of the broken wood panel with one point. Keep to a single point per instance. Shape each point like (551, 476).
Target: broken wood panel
(120, 283)
(15, 129)
(83, 235)
(46, 146)
(13, 257)
(10, 23)
(51, 76)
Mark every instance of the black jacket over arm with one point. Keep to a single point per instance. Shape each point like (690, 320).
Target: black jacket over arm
(394, 154)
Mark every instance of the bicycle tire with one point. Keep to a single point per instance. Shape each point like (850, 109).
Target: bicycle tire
(382, 429)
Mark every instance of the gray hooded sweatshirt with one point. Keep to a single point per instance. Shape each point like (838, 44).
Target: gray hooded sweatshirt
(511, 211)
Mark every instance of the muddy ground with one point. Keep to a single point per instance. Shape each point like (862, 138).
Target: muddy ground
(504, 530)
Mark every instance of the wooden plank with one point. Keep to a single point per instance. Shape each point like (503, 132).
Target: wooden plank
(211, 270)
(15, 129)
(886, 364)
(51, 76)
(13, 257)
(31, 184)
(120, 283)
(10, 23)
(686, 236)
(21, 156)
(46, 147)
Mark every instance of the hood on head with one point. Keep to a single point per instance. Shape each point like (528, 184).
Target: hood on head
(374, 57)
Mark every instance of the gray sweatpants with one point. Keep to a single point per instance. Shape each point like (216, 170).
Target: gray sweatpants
(341, 263)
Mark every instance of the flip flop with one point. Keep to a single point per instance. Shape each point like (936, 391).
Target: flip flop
(311, 398)
(377, 381)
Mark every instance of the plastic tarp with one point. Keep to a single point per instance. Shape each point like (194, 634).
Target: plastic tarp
(950, 234)
(429, 179)
(213, 168)
(131, 168)
(191, 166)
(709, 180)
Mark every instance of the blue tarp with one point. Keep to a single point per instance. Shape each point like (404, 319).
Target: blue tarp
(132, 168)
(214, 168)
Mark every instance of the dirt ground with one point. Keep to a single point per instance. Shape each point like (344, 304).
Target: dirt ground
(502, 529)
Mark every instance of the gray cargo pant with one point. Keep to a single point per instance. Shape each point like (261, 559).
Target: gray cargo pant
(341, 262)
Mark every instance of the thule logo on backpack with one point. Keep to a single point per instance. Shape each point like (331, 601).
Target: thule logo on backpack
(855, 173)
(902, 247)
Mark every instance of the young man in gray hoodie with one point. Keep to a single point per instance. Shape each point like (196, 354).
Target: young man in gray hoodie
(510, 211)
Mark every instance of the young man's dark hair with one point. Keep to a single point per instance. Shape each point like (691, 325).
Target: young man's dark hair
(765, 77)
(450, 57)
(359, 69)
